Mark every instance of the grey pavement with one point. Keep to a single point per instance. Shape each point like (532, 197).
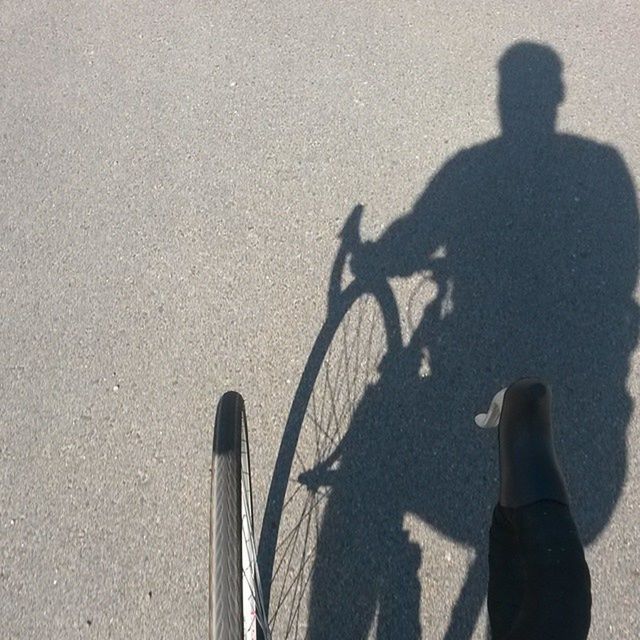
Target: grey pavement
(173, 179)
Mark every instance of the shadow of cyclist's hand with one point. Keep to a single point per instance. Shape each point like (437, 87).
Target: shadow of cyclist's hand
(365, 263)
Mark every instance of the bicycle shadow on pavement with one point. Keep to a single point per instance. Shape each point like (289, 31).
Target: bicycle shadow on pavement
(538, 231)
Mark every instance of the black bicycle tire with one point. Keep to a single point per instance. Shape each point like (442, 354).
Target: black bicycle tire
(271, 522)
(225, 547)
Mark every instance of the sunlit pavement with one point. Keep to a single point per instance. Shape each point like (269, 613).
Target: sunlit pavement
(174, 179)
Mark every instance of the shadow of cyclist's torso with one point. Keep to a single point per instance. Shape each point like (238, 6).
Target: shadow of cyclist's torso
(542, 259)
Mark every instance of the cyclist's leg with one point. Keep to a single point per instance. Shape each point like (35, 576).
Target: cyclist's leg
(556, 593)
(539, 585)
(506, 575)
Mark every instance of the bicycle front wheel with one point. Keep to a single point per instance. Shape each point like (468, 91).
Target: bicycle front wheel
(235, 599)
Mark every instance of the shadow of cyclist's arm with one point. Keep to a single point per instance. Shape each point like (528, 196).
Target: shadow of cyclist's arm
(408, 244)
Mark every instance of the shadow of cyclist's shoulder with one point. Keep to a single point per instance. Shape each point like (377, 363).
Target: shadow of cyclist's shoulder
(583, 155)
(462, 165)
(468, 158)
(589, 152)
(470, 153)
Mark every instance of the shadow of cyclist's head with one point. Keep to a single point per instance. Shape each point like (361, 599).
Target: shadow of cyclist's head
(531, 89)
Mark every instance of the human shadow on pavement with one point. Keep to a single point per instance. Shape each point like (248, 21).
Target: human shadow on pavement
(537, 233)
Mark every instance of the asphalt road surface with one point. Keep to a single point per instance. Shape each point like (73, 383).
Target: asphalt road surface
(174, 177)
